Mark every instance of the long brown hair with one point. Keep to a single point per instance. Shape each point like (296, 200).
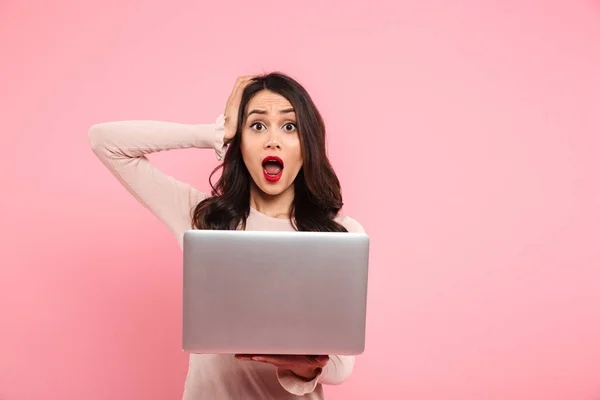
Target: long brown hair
(317, 197)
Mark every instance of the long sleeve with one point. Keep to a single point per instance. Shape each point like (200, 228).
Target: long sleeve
(122, 147)
(337, 370)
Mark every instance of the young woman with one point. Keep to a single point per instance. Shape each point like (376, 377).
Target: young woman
(275, 176)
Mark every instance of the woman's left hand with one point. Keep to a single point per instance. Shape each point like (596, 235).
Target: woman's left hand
(307, 367)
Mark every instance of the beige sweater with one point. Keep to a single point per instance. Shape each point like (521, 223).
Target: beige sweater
(122, 146)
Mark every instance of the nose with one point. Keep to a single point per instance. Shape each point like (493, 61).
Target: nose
(273, 145)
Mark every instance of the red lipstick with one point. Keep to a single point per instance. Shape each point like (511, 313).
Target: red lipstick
(272, 168)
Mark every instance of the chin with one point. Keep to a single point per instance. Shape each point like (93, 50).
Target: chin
(271, 189)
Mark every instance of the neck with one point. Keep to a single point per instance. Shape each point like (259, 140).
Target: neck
(273, 206)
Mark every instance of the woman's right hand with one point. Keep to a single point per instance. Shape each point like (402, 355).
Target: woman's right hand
(233, 106)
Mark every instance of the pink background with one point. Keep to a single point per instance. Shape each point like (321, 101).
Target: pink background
(466, 135)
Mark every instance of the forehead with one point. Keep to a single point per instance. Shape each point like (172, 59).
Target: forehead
(266, 100)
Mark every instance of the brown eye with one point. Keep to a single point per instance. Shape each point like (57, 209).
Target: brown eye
(258, 126)
(290, 127)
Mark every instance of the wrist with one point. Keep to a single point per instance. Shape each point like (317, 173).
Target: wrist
(229, 131)
(307, 374)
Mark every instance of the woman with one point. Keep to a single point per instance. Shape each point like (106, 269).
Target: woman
(276, 176)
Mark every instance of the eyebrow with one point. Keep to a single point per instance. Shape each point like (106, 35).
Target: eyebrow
(263, 112)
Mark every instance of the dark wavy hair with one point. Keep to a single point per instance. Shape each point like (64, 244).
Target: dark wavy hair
(317, 197)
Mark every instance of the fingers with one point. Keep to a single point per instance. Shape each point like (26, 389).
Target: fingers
(233, 104)
(320, 361)
(241, 83)
(278, 361)
(287, 361)
(245, 78)
(236, 94)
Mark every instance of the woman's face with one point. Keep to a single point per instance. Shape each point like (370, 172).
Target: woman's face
(271, 142)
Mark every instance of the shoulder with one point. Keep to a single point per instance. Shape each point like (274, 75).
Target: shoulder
(350, 223)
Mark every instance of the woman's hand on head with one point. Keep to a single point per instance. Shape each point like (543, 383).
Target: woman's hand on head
(306, 367)
(233, 106)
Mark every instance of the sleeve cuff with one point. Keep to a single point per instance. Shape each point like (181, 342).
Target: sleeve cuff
(296, 385)
(219, 140)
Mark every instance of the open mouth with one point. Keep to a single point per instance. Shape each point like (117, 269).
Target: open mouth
(272, 168)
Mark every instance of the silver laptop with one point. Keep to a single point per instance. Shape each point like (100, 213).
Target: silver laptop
(265, 292)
